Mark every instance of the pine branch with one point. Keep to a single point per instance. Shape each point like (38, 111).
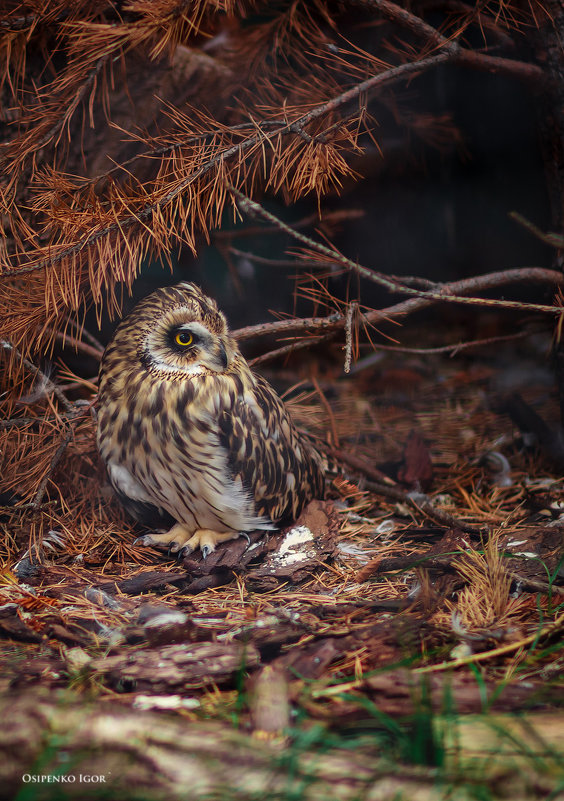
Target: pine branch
(445, 292)
(463, 56)
(98, 234)
(336, 321)
(238, 150)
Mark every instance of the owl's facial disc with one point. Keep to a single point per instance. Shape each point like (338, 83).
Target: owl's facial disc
(185, 348)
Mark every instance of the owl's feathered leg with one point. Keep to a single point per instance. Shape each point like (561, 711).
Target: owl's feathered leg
(184, 539)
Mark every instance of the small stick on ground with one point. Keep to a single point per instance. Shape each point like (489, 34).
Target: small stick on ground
(421, 505)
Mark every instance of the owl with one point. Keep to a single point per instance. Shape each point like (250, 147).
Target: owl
(193, 440)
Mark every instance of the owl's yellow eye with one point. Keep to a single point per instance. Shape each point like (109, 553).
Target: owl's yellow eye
(184, 338)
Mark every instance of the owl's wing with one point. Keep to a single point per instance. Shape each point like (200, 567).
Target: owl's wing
(276, 465)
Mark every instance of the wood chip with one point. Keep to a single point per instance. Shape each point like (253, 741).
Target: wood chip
(175, 666)
(305, 546)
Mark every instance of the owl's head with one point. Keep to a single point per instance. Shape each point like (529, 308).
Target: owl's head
(180, 332)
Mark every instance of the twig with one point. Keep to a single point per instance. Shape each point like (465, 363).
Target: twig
(305, 222)
(71, 421)
(420, 504)
(416, 281)
(332, 323)
(482, 20)
(549, 238)
(503, 649)
(402, 563)
(293, 263)
(477, 283)
(78, 344)
(73, 409)
(84, 332)
(252, 207)
(18, 23)
(536, 584)
(336, 321)
(358, 684)
(367, 361)
(349, 317)
(19, 422)
(55, 459)
(295, 345)
(25, 507)
(68, 106)
(378, 486)
(468, 58)
(449, 51)
(169, 148)
(361, 465)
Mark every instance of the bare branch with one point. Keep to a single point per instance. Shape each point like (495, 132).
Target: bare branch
(468, 58)
(454, 349)
(447, 292)
(336, 321)
(286, 349)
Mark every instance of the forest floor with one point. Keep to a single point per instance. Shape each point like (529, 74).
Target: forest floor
(403, 640)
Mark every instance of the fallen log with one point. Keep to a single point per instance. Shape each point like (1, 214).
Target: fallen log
(62, 747)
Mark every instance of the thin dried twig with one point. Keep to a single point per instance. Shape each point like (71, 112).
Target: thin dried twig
(330, 416)
(496, 652)
(351, 312)
(285, 350)
(293, 263)
(77, 344)
(420, 503)
(19, 422)
(445, 293)
(463, 56)
(454, 349)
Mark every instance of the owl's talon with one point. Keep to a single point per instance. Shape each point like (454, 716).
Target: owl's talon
(246, 536)
(141, 541)
(206, 550)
